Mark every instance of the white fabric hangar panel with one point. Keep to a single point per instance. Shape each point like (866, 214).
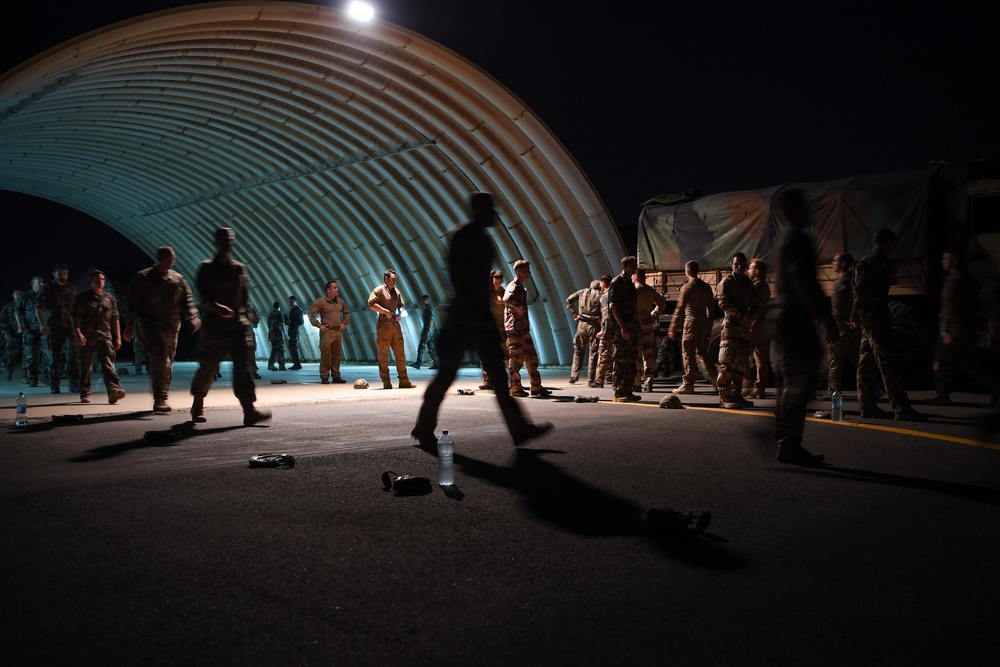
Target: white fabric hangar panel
(335, 149)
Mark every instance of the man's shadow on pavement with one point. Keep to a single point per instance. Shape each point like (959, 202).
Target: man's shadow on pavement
(70, 421)
(958, 489)
(573, 505)
(163, 438)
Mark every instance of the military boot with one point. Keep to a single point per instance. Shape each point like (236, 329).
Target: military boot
(252, 415)
(198, 410)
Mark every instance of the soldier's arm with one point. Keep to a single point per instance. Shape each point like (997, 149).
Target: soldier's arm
(677, 321)
(347, 315)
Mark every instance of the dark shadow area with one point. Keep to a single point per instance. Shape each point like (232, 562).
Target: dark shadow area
(179, 433)
(570, 504)
(980, 493)
(41, 427)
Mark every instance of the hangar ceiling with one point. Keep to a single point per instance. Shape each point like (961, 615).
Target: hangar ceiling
(334, 148)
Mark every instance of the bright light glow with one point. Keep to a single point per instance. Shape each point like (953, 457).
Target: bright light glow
(360, 11)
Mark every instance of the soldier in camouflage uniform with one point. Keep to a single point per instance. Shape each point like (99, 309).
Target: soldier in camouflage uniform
(760, 341)
(55, 311)
(693, 317)
(159, 298)
(797, 349)
(872, 278)
(11, 338)
(223, 288)
(848, 346)
(97, 328)
(520, 347)
(26, 313)
(623, 330)
(276, 336)
(605, 346)
(585, 304)
(738, 300)
(649, 305)
(294, 320)
(497, 308)
(956, 343)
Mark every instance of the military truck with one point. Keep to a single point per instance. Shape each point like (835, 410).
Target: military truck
(942, 206)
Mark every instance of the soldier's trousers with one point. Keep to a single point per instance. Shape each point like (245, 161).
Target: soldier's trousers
(605, 358)
(760, 349)
(585, 346)
(521, 352)
(797, 354)
(104, 351)
(221, 339)
(845, 350)
(388, 334)
(624, 358)
(426, 343)
(694, 348)
(12, 348)
(330, 347)
(645, 352)
(31, 353)
(293, 345)
(734, 351)
(137, 351)
(877, 360)
(969, 358)
(277, 353)
(487, 380)
(63, 341)
(160, 348)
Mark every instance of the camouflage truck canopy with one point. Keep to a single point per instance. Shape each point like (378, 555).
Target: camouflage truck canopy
(711, 229)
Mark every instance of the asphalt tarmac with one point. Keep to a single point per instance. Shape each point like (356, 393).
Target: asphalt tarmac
(122, 551)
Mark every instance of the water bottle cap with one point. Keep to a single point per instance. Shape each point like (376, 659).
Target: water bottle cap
(444, 432)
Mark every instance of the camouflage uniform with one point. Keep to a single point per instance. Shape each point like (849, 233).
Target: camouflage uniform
(621, 295)
(226, 284)
(760, 341)
(276, 336)
(32, 357)
(648, 301)
(157, 303)
(872, 278)
(846, 349)
(138, 349)
(294, 320)
(57, 302)
(96, 317)
(520, 347)
(587, 304)
(959, 298)
(797, 349)
(12, 341)
(605, 346)
(737, 299)
(693, 314)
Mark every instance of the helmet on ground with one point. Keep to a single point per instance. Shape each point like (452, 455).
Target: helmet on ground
(361, 383)
(671, 402)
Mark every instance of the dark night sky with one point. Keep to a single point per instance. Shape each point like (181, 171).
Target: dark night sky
(649, 96)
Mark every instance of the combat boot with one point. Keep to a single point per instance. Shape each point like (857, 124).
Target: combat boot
(252, 415)
(198, 410)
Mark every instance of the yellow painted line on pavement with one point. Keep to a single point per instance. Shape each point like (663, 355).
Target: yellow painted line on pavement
(874, 427)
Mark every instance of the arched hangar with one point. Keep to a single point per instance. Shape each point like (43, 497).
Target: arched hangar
(334, 148)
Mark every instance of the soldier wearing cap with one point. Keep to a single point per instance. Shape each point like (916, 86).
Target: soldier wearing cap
(585, 304)
(98, 332)
(692, 319)
(55, 312)
(738, 300)
(159, 299)
(520, 346)
(623, 330)
(649, 305)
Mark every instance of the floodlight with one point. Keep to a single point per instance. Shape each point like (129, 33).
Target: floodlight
(360, 11)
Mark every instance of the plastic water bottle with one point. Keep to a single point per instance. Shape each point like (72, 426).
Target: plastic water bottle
(446, 460)
(22, 411)
(837, 411)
